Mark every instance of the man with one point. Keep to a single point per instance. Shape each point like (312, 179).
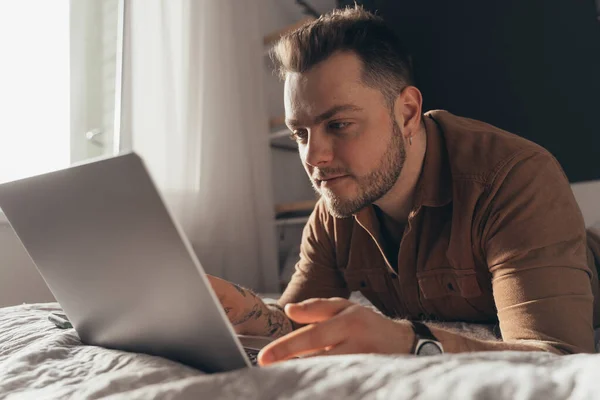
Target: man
(431, 217)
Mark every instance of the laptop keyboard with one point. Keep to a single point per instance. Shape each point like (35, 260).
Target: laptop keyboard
(252, 354)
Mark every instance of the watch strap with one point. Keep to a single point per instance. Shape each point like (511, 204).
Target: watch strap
(422, 331)
(423, 334)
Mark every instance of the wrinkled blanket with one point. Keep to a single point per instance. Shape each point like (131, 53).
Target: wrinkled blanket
(39, 361)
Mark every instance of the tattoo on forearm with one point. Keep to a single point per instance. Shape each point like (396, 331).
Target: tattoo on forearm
(278, 323)
(255, 312)
(240, 289)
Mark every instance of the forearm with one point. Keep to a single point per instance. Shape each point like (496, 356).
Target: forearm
(459, 343)
(258, 318)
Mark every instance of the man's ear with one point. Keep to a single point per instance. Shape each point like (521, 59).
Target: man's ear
(407, 110)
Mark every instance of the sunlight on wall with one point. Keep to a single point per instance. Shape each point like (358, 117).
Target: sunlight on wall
(34, 87)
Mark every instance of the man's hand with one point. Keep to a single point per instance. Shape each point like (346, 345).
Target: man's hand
(338, 326)
(248, 314)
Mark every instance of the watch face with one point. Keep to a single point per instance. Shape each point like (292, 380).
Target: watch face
(429, 349)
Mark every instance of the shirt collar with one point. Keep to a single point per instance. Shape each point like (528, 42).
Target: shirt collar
(434, 188)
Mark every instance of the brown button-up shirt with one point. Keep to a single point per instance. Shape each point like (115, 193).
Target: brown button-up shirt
(495, 236)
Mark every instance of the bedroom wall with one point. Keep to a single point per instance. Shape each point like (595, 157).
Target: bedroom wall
(529, 67)
(19, 280)
(588, 197)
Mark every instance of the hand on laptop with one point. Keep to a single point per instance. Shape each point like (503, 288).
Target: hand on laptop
(338, 326)
(247, 312)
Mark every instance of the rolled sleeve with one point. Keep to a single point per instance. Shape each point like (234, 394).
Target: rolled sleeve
(535, 246)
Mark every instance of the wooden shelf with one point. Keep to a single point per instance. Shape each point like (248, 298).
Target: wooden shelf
(283, 133)
(281, 140)
(291, 221)
(305, 206)
(277, 122)
(293, 213)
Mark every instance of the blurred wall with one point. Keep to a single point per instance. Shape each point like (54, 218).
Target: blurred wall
(20, 281)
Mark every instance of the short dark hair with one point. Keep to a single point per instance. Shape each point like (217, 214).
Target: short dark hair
(386, 62)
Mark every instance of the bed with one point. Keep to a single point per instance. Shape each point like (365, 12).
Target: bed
(40, 361)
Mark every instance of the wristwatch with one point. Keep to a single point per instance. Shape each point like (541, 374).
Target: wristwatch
(425, 343)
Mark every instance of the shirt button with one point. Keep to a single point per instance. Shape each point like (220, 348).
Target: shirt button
(363, 284)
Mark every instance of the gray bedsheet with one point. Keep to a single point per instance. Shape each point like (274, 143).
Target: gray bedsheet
(39, 361)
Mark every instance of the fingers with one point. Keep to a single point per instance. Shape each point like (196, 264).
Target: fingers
(342, 348)
(316, 310)
(306, 340)
(319, 353)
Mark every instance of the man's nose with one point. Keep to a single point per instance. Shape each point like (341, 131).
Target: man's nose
(318, 150)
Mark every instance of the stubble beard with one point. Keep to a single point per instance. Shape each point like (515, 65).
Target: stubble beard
(372, 186)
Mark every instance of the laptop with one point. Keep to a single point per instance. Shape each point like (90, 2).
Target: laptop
(120, 266)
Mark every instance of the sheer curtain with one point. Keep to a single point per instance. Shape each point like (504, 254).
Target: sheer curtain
(193, 102)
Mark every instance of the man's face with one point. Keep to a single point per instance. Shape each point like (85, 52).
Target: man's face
(349, 143)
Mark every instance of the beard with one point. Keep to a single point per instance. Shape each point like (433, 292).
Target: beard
(371, 186)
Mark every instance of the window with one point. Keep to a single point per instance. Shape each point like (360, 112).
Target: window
(57, 80)
(35, 87)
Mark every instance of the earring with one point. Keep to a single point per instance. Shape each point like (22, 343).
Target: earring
(410, 140)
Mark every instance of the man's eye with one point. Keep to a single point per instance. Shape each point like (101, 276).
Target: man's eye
(337, 126)
(299, 135)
